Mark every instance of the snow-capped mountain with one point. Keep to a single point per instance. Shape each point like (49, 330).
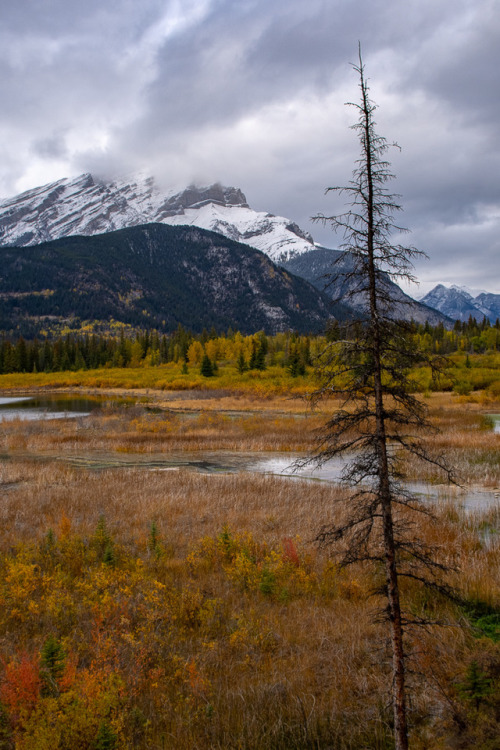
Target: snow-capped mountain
(469, 290)
(87, 206)
(459, 303)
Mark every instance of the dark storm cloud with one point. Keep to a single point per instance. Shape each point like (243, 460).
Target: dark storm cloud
(252, 92)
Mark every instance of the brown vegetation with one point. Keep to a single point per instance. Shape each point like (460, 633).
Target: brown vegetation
(213, 421)
(222, 628)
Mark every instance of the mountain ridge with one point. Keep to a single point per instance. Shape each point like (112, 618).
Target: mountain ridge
(458, 303)
(86, 206)
(326, 269)
(154, 276)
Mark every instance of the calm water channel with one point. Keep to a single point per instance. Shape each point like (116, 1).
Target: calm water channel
(278, 464)
(496, 422)
(46, 407)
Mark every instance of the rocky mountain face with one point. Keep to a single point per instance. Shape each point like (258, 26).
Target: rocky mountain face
(87, 206)
(326, 270)
(153, 276)
(459, 304)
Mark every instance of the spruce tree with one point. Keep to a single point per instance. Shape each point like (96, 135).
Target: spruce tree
(206, 368)
(53, 660)
(106, 738)
(241, 363)
(379, 419)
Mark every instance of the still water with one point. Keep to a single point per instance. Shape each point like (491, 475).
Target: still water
(496, 422)
(53, 406)
(211, 462)
(275, 464)
(45, 407)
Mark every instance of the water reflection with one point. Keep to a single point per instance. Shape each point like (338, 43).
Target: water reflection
(287, 465)
(7, 401)
(45, 407)
(496, 422)
(276, 464)
(471, 498)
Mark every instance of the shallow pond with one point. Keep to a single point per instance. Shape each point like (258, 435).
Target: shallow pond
(276, 464)
(55, 406)
(470, 498)
(52, 406)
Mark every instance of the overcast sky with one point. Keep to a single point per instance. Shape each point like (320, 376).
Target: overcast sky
(251, 93)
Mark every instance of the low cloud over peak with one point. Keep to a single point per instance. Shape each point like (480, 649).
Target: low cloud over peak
(252, 94)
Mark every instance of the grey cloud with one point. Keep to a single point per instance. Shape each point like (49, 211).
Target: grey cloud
(464, 71)
(252, 92)
(53, 146)
(60, 18)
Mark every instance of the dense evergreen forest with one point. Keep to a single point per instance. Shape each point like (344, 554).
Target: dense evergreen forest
(129, 348)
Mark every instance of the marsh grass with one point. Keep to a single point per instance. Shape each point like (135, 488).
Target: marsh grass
(169, 377)
(233, 630)
(464, 437)
(139, 430)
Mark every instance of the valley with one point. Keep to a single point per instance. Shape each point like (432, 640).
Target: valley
(165, 577)
(249, 376)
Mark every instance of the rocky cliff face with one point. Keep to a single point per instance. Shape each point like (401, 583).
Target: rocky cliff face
(86, 206)
(328, 270)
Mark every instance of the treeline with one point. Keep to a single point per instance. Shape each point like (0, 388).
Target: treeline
(149, 348)
(255, 352)
(472, 337)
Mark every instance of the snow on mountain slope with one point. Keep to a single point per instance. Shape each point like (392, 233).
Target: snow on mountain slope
(489, 305)
(273, 235)
(468, 290)
(86, 206)
(460, 303)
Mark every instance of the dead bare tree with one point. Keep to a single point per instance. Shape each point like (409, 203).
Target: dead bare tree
(380, 420)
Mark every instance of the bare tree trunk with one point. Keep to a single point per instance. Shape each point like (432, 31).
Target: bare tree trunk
(399, 694)
(394, 606)
(379, 419)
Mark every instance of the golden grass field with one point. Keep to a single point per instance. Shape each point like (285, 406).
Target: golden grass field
(195, 610)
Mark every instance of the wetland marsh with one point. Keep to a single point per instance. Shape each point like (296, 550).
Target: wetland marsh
(163, 543)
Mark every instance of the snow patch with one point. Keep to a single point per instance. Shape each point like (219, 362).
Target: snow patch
(87, 206)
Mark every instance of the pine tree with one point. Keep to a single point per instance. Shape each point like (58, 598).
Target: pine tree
(295, 365)
(53, 661)
(241, 363)
(367, 367)
(477, 686)
(106, 739)
(206, 368)
(154, 544)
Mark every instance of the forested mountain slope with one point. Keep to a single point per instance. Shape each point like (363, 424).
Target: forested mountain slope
(154, 276)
